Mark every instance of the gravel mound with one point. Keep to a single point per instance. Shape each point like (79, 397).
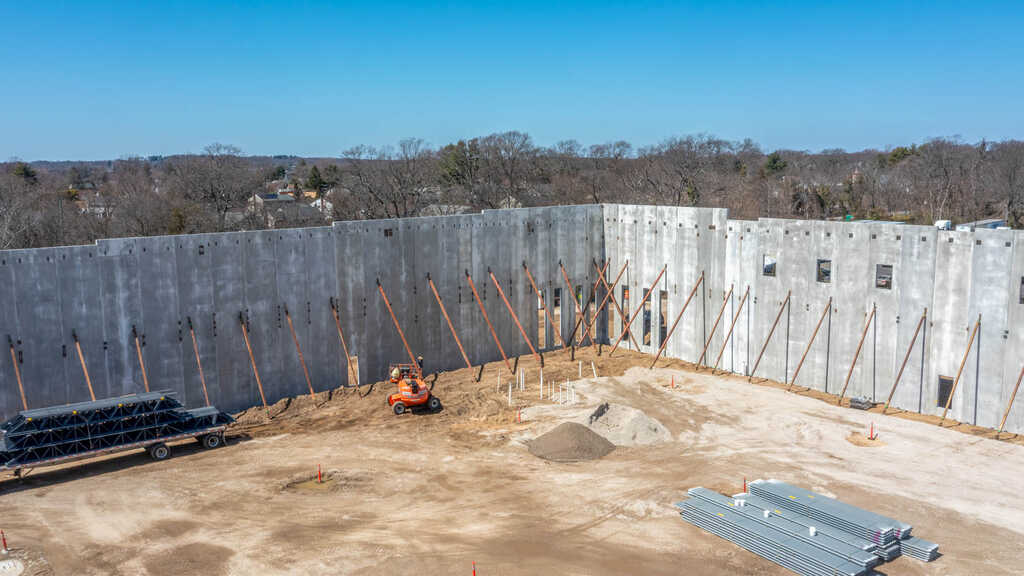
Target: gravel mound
(570, 442)
(626, 426)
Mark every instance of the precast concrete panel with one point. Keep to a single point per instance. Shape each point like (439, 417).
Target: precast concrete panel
(851, 311)
(768, 300)
(122, 311)
(45, 352)
(1014, 358)
(78, 275)
(292, 295)
(236, 383)
(981, 387)
(10, 397)
(353, 299)
(631, 248)
(322, 349)
(886, 246)
(264, 313)
(799, 270)
(194, 273)
(913, 280)
(158, 288)
(951, 321)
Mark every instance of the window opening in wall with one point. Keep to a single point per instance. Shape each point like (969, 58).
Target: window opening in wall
(625, 311)
(662, 316)
(556, 310)
(824, 271)
(1022, 289)
(389, 232)
(768, 266)
(945, 389)
(647, 318)
(542, 334)
(883, 276)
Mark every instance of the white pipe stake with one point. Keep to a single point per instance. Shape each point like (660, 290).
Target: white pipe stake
(509, 393)
(581, 369)
(594, 368)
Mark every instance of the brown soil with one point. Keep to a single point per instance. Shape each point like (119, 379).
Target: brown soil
(431, 493)
(859, 439)
(570, 442)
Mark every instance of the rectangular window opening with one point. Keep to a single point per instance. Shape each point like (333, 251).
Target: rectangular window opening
(883, 276)
(662, 316)
(542, 333)
(945, 389)
(1021, 290)
(580, 307)
(768, 266)
(647, 319)
(824, 274)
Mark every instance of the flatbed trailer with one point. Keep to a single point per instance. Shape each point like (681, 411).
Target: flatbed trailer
(61, 434)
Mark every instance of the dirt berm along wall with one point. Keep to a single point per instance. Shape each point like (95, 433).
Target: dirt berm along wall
(156, 288)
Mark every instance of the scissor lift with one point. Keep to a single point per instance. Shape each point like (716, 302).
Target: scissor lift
(58, 434)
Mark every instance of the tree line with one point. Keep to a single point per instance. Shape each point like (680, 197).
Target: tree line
(62, 203)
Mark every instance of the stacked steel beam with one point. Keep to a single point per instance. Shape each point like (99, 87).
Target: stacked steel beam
(803, 531)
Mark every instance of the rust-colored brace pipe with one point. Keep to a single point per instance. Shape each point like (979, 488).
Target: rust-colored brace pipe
(963, 362)
(800, 364)
(856, 354)
(609, 295)
(490, 327)
(551, 322)
(732, 326)
(775, 324)
(302, 359)
(449, 321)
(412, 357)
(540, 361)
(199, 363)
(679, 317)
(714, 327)
(252, 360)
(905, 358)
(17, 373)
(618, 309)
(142, 363)
(85, 370)
(580, 311)
(1008, 404)
(639, 308)
(344, 345)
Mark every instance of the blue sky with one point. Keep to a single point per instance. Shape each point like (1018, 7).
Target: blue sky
(105, 80)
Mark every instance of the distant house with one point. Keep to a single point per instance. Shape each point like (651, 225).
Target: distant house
(93, 203)
(279, 210)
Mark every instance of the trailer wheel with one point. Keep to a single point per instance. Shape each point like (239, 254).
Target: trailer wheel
(159, 451)
(211, 441)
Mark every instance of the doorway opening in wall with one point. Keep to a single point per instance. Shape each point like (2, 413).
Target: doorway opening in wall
(768, 265)
(647, 318)
(354, 371)
(542, 334)
(625, 312)
(662, 316)
(883, 276)
(1022, 289)
(824, 274)
(945, 389)
(582, 309)
(556, 310)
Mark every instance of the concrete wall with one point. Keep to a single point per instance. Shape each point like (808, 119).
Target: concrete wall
(154, 287)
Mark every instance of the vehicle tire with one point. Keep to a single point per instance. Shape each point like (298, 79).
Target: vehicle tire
(159, 451)
(399, 408)
(434, 404)
(211, 441)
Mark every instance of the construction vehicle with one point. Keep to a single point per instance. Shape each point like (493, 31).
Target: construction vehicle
(59, 434)
(413, 392)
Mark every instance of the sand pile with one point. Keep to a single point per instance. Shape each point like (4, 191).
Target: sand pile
(626, 426)
(570, 442)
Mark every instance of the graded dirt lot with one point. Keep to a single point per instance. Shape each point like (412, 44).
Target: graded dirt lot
(430, 494)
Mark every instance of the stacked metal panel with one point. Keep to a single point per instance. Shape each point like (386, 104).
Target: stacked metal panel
(770, 543)
(875, 527)
(803, 531)
(920, 549)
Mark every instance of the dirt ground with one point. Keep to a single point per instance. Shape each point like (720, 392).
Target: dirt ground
(431, 494)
